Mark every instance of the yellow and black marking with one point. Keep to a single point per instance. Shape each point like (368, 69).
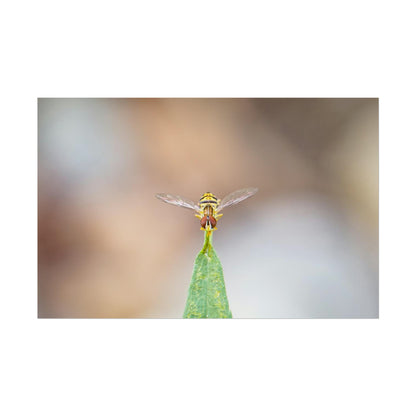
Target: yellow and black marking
(208, 198)
(208, 211)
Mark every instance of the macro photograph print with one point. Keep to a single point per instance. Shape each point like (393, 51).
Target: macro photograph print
(208, 208)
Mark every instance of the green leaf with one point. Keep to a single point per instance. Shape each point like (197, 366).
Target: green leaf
(207, 297)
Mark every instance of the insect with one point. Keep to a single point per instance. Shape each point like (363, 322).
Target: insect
(209, 206)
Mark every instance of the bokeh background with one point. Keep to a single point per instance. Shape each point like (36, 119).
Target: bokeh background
(305, 246)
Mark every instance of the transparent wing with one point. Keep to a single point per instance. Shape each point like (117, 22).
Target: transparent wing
(180, 201)
(236, 197)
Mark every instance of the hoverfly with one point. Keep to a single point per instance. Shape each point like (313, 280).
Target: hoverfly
(209, 206)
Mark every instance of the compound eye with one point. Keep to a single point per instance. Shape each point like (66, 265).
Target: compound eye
(213, 221)
(203, 221)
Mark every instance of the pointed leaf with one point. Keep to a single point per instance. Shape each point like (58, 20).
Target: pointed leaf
(207, 297)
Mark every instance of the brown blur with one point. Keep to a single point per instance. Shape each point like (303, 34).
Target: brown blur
(305, 246)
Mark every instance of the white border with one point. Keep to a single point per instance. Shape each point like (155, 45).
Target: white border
(152, 367)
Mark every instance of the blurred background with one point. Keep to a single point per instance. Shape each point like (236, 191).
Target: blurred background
(305, 246)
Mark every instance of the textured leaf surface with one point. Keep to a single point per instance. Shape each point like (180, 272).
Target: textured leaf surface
(207, 297)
